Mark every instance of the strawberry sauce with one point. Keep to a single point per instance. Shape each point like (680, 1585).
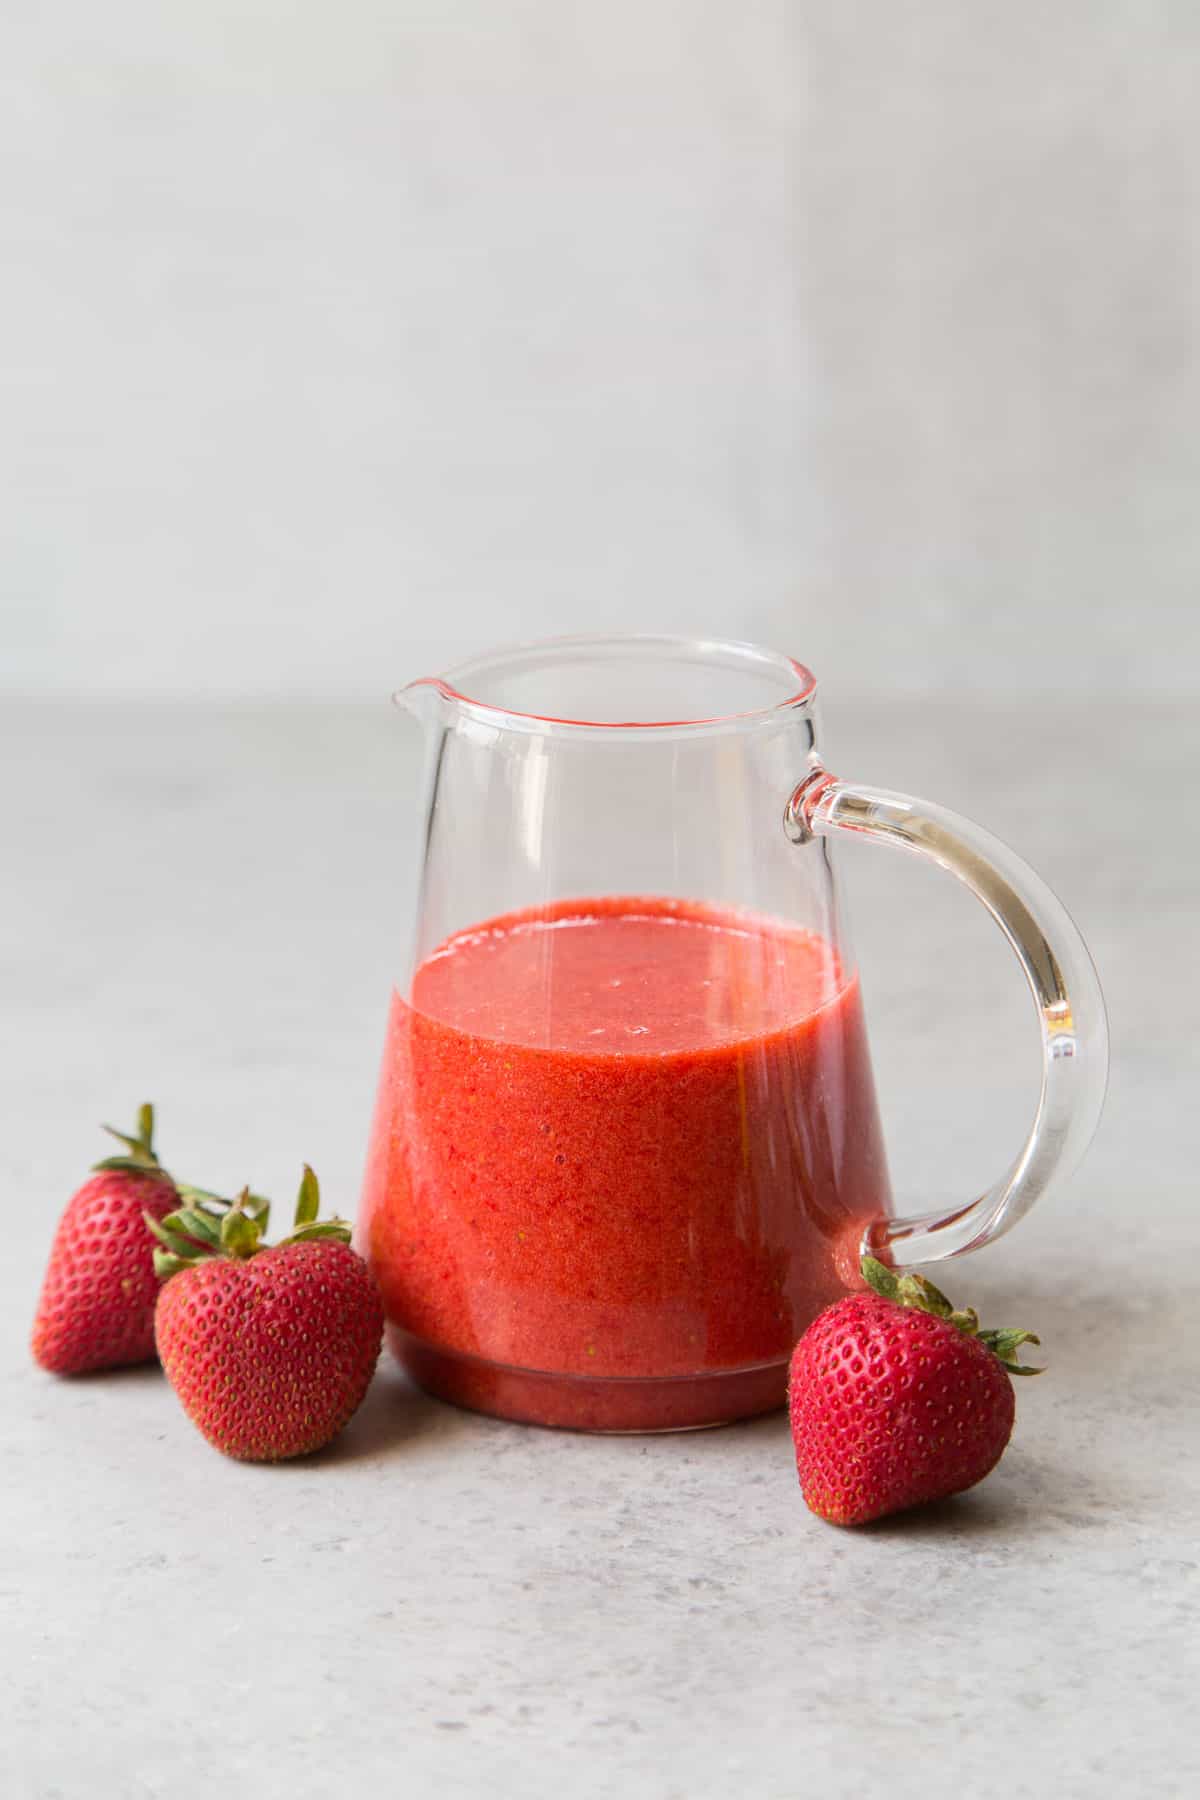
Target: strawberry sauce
(620, 1150)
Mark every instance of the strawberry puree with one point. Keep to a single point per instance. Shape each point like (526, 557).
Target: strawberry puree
(618, 1147)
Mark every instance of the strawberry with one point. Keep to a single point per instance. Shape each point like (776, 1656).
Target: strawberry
(895, 1398)
(96, 1309)
(270, 1349)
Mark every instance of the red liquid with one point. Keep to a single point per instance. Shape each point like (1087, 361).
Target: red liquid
(620, 1150)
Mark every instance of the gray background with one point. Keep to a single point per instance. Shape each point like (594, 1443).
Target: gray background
(336, 345)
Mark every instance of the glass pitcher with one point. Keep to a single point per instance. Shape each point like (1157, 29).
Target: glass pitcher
(626, 1143)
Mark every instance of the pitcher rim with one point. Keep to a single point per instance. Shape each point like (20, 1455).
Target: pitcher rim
(452, 685)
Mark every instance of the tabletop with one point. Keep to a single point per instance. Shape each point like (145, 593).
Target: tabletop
(203, 907)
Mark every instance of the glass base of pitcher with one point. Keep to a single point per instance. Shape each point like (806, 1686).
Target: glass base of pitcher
(615, 1405)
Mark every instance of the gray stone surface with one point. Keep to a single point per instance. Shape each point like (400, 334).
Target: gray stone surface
(199, 906)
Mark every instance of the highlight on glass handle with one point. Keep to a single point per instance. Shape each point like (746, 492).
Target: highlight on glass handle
(1061, 977)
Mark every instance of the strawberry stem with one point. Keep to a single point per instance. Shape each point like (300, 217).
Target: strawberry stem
(207, 1225)
(240, 1231)
(308, 1201)
(918, 1292)
(139, 1154)
(257, 1206)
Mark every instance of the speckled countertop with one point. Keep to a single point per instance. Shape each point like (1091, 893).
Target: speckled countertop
(199, 907)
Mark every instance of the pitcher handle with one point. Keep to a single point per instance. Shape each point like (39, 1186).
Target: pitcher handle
(1061, 977)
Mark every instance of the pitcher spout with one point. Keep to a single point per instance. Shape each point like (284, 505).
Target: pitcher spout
(427, 699)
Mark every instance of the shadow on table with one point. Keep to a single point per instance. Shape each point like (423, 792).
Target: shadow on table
(1009, 1505)
(394, 1416)
(128, 1375)
(976, 1514)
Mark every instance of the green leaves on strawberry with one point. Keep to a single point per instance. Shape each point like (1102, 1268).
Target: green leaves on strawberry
(207, 1225)
(919, 1292)
(139, 1154)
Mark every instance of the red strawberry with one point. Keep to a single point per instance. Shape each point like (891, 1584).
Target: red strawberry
(96, 1309)
(270, 1350)
(896, 1399)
